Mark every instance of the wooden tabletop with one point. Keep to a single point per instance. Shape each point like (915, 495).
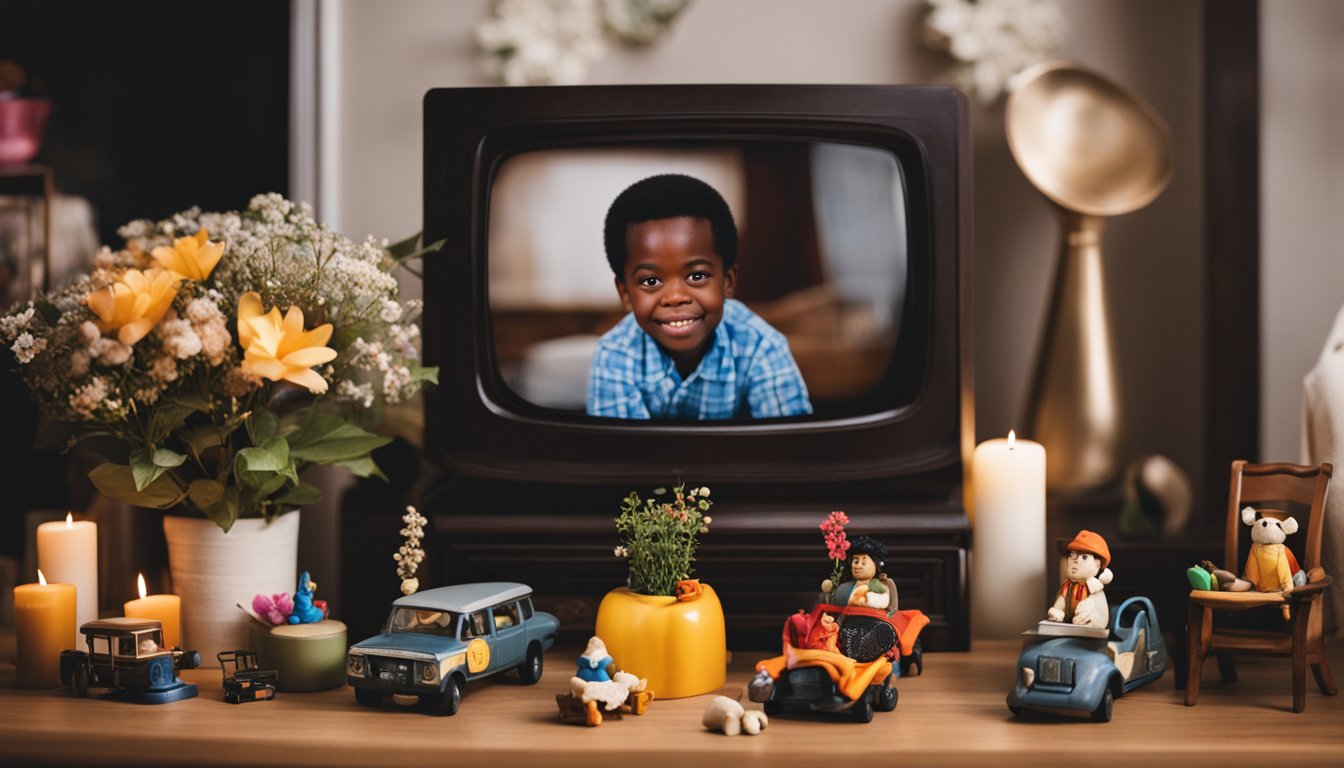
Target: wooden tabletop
(954, 715)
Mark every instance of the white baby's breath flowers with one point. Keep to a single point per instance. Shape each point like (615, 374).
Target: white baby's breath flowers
(994, 40)
(110, 352)
(410, 554)
(25, 347)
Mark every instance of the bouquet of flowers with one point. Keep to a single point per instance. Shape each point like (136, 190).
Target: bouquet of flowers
(659, 536)
(218, 354)
(837, 543)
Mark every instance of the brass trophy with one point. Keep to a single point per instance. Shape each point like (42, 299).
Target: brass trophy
(1094, 150)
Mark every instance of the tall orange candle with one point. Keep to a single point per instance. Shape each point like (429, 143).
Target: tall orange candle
(167, 609)
(44, 621)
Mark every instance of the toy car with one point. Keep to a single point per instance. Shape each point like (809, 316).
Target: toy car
(864, 635)
(1084, 675)
(243, 681)
(128, 656)
(437, 640)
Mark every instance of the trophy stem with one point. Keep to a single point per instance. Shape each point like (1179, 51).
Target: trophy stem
(1075, 408)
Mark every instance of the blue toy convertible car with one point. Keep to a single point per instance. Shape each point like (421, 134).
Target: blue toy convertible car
(1084, 675)
(437, 640)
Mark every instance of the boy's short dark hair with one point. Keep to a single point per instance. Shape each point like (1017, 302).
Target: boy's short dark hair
(668, 196)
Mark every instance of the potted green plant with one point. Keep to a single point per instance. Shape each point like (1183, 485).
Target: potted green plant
(664, 625)
(210, 361)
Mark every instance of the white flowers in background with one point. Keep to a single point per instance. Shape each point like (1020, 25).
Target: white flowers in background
(555, 42)
(994, 40)
(410, 555)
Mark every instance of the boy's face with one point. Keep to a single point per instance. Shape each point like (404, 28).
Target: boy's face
(675, 284)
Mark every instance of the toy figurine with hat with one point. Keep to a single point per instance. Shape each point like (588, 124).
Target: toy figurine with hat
(1081, 599)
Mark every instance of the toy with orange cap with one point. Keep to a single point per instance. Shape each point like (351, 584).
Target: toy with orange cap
(1082, 599)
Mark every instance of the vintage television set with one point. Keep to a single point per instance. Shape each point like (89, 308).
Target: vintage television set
(852, 209)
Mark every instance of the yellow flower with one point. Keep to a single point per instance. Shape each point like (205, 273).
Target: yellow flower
(191, 257)
(275, 348)
(135, 304)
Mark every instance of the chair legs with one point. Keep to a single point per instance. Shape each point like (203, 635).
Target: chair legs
(1323, 680)
(1300, 658)
(1199, 626)
(1227, 668)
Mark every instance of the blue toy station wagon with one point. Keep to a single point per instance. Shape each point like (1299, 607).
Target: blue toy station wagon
(435, 641)
(1085, 674)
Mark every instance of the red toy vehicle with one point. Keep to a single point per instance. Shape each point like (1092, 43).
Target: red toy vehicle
(844, 665)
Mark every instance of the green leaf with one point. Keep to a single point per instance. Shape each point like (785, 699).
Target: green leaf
(203, 438)
(143, 469)
(262, 425)
(52, 314)
(300, 495)
(420, 374)
(260, 465)
(117, 482)
(405, 247)
(195, 400)
(205, 493)
(329, 439)
(166, 417)
(167, 459)
(363, 466)
(224, 511)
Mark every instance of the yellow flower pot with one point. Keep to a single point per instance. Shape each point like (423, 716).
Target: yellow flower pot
(679, 645)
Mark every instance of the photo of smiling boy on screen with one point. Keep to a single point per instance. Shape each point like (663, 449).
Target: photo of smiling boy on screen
(686, 349)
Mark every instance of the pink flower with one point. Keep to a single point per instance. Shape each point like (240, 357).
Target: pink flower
(275, 609)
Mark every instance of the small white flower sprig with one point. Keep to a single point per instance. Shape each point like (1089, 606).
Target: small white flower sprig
(659, 537)
(554, 42)
(410, 555)
(993, 40)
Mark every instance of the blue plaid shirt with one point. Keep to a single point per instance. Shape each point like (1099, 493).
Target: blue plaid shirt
(747, 371)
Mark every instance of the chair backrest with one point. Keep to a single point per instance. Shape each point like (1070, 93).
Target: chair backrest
(1268, 485)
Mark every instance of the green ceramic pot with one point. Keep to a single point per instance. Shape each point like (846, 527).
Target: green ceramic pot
(309, 657)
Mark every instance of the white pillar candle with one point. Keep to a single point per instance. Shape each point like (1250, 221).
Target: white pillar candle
(1008, 537)
(68, 552)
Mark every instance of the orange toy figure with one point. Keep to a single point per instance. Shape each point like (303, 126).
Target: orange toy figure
(826, 635)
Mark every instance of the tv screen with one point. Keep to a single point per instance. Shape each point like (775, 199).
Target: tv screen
(821, 257)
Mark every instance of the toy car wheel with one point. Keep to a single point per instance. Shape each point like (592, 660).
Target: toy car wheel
(886, 698)
(368, 698)
(772, 707)
(530, 670)
(863, 710)
(81, 680)
(913, 664)
(1102, 714)
(1016, 710)
(452, 698)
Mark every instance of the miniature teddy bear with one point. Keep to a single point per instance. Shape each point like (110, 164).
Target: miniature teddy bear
(870, 588)
(731, 718)
(305, 612)
(1270, 566)
(1081, 598)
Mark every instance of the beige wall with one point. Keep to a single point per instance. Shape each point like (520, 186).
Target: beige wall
(1301, 204)
(394, 52)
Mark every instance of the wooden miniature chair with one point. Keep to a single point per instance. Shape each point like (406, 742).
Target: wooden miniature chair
(1269, 485)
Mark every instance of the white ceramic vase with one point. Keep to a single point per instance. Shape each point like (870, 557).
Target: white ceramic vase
(213, 572)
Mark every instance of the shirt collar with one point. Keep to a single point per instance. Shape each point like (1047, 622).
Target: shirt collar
(716, 365)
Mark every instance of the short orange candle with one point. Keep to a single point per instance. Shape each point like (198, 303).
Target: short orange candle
(44, 621)
(167, 609)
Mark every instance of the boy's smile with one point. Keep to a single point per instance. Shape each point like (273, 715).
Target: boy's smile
(675, 285)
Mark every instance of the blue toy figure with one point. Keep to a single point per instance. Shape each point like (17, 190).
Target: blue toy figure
(594, 662)
(304, 610)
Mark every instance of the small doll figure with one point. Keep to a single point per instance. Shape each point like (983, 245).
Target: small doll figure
(304, 610)
(1081, 598)
(870, 587)
(594, 661)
